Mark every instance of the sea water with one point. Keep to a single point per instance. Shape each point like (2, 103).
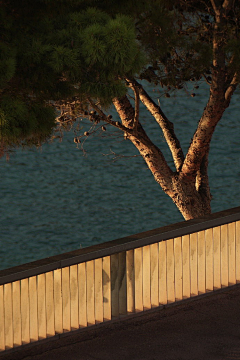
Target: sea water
(57, 198)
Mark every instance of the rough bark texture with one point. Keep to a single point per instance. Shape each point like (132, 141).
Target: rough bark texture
(188, 186)
(166, 125)
(191, 202)
(150, 152)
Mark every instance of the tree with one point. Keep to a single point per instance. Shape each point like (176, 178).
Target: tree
(81, 57)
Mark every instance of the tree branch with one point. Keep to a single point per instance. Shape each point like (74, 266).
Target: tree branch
(107, 119)
(150, 152)
(136, 115)
(166, 125)
(216, 6)
(232, 87)
(228, 5)
(205, 77)
(202, 137)
(217, 103)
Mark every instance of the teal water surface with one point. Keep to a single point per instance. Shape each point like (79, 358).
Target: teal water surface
(55, 200)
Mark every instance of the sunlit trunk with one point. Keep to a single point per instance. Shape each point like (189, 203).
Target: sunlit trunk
(191, 203)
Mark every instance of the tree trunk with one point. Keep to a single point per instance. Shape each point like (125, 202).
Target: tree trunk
(191, 196)
(191, 208)
(188, 186)
(190, 202)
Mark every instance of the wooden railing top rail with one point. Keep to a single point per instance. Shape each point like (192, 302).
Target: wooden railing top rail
(119, 245)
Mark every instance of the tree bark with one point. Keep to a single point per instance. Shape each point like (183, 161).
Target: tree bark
(164, 123)
(191, 200)
(149, 151)
(188, 186)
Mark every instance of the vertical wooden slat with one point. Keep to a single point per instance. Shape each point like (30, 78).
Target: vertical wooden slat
(106, 288)
(2, 327)
(238, 251)
(90, 293)
(41, 295)
(74, 297)
(8, 315)
(58, 307)
(82, 290)
(138, 267)
(17, 331)
(232, 253)
(98, 288)
(66, 299)
(224, 255)
(130, 281)
(154, 274)
(194, 264)
(216, 258)
(201, 263)
(114, 286)
(209, 259)
(146, 278)
(25, 311)
(162, 272)
(33, 308)
(186, 266)
(122, 283)
(178, 268)
(50, 304)
(170, 272)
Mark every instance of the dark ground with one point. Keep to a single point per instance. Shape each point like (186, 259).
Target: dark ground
(207, 328)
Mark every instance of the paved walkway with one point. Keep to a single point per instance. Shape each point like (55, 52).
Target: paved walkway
(203, 329)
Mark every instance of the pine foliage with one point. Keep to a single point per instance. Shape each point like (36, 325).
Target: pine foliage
(55, 50)
(52, 51)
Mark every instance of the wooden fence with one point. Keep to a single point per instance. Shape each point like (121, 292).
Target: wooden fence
(104, 282)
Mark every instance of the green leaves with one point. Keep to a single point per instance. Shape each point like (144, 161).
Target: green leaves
(20, 121)
(122, 48)
(110, 52)
(85, 48)
(62, 58)
(113, 46)
(7, 64)
(34, 51)
(15, 120)
(89, 17)
(94, 44)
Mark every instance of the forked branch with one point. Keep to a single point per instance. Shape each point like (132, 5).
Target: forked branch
(218, 101)
(149, 151)
(107, 119)
(166, 125)
(232, 87)
(216, 4)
